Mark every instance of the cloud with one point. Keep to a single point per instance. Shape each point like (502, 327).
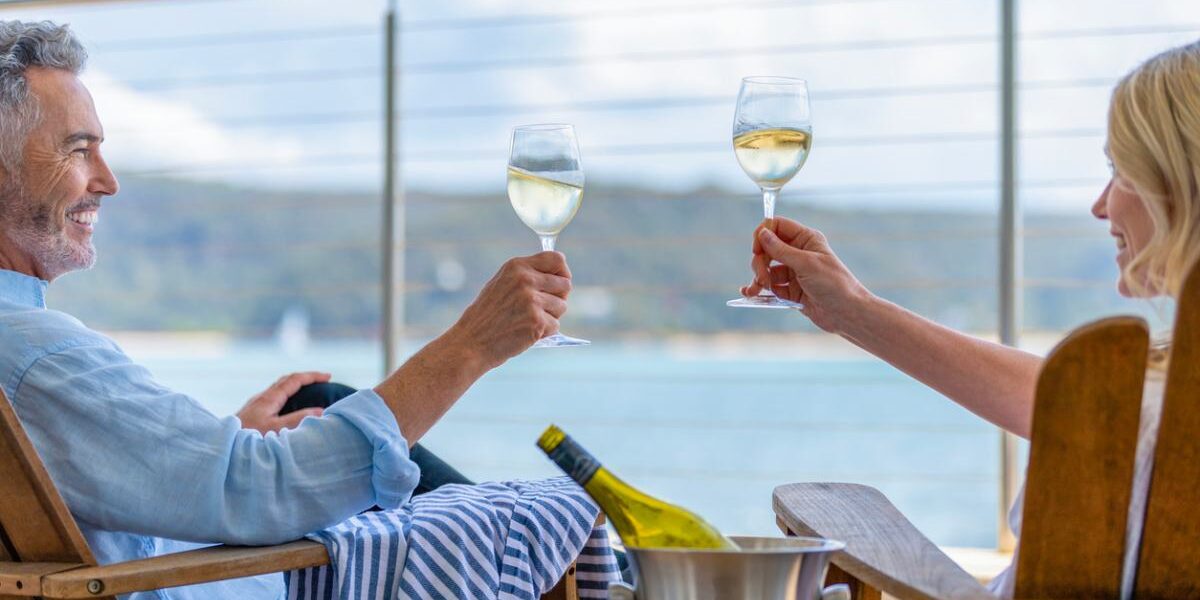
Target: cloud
(153, 133)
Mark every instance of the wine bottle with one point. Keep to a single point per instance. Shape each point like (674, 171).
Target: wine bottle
(641, 520)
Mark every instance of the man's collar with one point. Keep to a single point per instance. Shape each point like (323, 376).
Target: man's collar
(19, 288)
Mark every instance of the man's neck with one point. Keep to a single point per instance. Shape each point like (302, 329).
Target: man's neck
(12, 258)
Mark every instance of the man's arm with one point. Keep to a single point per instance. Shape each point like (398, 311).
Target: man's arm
(130, 455)
(520, 305)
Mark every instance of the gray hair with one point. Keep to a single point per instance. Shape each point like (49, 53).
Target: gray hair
(24, 45)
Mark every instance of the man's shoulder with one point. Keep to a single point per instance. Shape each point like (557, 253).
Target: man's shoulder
(32, 333)
(43, 326)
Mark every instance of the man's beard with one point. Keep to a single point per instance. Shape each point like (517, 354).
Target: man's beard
(30, 226)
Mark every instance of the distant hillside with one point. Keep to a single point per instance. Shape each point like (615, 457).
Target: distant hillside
(181, 255)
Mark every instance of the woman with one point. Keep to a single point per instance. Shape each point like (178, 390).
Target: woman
(1152, 205)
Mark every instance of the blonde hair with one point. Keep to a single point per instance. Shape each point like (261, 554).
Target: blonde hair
(1154, 143)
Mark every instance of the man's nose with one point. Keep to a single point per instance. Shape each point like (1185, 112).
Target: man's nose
(104, 182)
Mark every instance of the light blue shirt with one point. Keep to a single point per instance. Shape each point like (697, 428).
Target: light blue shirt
(148, 471)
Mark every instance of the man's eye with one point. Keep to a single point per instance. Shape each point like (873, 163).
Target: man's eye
(84, 152)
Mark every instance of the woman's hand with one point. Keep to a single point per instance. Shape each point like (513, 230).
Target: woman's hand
(809, 273)
(993, 381)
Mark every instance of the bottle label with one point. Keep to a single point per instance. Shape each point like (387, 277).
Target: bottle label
(575, 461)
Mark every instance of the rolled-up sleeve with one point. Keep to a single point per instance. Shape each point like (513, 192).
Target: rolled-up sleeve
(130, 455)
(393, 474)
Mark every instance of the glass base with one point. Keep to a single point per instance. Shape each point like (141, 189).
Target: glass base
(559, 340)
(764, 301)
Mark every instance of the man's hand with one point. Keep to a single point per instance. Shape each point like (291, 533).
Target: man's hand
(262, 411)
(519, 306)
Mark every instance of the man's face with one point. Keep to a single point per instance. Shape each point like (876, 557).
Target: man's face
(50, 205)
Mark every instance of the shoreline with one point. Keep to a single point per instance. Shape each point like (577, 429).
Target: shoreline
(729, 345)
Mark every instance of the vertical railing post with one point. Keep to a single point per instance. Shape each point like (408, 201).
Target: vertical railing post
(1010, 249)
(393, 200)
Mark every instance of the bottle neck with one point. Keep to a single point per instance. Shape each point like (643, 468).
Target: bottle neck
(574, 461)
(608, 490)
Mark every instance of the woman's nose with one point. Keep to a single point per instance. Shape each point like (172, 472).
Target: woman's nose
(1100, 206)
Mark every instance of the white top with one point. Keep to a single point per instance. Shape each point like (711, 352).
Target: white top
(1152, 397)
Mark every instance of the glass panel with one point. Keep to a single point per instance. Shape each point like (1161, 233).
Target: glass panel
(708, 406)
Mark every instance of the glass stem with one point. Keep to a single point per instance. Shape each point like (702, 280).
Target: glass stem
(769, 202)
(769, 197)
(548, 242)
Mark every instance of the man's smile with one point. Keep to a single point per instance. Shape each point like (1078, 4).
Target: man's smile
(85, 217)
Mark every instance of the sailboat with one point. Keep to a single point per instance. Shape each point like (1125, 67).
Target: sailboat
(292, 334)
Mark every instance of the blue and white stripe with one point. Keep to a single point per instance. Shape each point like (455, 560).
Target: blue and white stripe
(508, 541)
(596, 566)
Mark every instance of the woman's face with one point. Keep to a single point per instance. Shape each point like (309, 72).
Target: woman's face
(1129, 224)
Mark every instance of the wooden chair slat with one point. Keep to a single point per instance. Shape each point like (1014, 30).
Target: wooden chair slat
(883, 549)
(1081, 461)
(858, 589)
(1168, 564)
(34, 517)
(25, 579)
(567, 588)
(5, 555)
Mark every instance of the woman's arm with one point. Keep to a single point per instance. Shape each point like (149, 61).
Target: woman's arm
(991, 380)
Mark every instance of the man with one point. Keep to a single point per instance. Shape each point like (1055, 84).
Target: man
(146, 470)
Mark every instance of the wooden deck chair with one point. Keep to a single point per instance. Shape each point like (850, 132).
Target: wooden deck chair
(1078, 485)
(43, 553)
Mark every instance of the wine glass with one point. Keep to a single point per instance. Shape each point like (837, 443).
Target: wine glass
(545, 186)
(772, 133)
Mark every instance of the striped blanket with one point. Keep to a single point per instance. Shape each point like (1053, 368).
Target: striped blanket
(508, 541)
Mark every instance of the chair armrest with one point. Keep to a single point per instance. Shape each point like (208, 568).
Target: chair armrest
(25, 579)
(216, 563)
(883, 549)
(184, 568)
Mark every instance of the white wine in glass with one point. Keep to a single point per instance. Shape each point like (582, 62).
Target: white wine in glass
(772, 135)
(545, 202)
(771, 157)
(545, 186)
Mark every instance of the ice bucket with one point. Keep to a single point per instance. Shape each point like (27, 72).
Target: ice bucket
(765, 568)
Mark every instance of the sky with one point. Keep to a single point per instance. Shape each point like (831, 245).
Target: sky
(287, 94)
